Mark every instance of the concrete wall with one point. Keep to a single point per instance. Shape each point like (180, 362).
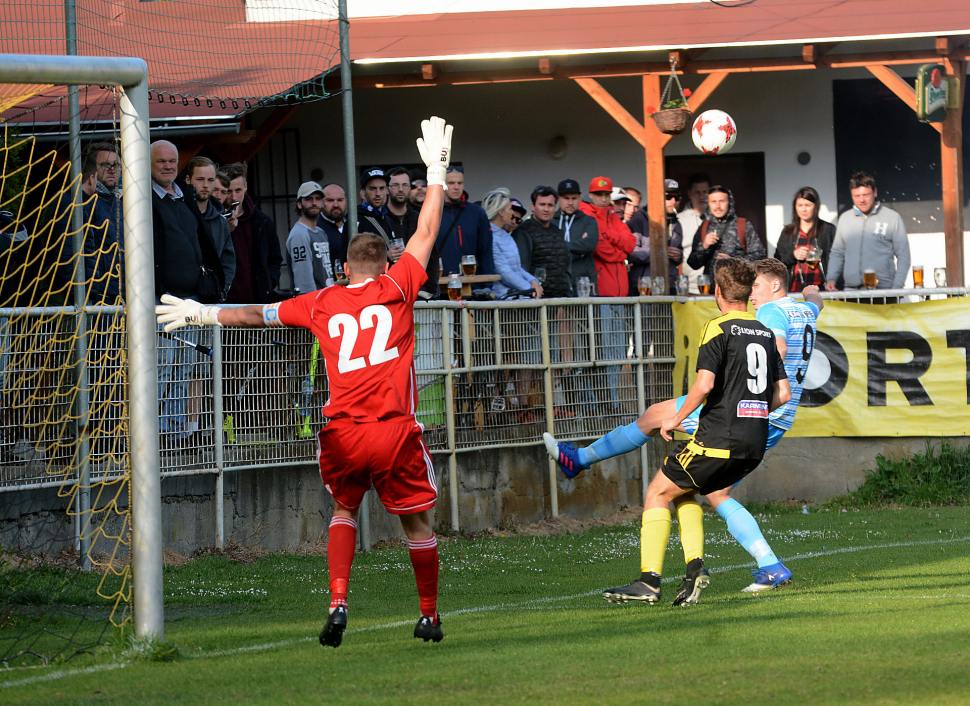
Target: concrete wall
(288, 508)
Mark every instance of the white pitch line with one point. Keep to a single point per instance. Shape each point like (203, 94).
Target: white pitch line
(484, 609)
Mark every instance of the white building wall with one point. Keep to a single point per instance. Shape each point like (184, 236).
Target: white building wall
(503, 131)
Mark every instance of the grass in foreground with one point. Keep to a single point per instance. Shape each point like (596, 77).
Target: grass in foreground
(877, 613)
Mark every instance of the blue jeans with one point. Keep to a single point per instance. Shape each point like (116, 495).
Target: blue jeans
(613, 344)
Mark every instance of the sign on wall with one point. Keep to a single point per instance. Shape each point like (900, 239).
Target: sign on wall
(877, 370)
(931, 93)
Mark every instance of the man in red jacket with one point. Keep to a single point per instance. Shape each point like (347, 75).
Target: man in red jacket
(615, 243)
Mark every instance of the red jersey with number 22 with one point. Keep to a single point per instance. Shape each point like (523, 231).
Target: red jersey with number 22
(366, 333)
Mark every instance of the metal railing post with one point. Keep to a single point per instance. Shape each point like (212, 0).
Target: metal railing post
(218, 418)
(641, 384)
(550, 421)
(450, 414)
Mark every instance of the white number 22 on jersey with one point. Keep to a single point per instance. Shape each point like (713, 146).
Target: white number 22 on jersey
(757, 368)
(379, 352)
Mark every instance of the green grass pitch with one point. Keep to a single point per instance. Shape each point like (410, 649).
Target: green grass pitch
(878, 613)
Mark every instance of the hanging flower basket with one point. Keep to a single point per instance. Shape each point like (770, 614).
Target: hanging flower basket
(672, 121)
(674, 116)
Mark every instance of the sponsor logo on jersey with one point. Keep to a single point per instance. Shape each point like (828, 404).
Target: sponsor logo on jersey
(753, 408)
(738, 330)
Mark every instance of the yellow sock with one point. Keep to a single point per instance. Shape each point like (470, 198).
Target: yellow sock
(654, 533)
(690, 516)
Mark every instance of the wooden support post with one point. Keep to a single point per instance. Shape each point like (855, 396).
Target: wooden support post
(187, 153)
(547, 66)
(654, 147)
(429, 72)
(951, 161)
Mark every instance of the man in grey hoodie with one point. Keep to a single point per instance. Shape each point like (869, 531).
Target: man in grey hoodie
(868, 236)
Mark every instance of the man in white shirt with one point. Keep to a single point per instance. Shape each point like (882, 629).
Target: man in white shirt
(694, 213)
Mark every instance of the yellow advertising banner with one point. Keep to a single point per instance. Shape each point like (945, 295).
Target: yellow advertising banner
(877, 370)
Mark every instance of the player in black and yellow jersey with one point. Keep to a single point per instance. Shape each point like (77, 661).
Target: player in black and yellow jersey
(742, 378)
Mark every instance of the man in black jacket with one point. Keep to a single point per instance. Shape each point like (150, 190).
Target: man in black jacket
(372, 211)
(333, 221)
(186, 266)
(404, 221)
(257, 246)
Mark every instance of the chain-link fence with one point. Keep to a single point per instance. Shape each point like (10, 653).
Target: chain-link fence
(489, 375)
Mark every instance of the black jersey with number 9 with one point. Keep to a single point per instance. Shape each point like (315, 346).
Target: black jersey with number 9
(741, 353)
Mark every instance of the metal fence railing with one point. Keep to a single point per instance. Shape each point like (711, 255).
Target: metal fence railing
(490, 374)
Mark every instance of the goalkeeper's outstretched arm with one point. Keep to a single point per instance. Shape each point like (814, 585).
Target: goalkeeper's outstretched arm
(435, 150)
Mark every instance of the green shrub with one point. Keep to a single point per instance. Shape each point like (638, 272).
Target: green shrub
(936, 477)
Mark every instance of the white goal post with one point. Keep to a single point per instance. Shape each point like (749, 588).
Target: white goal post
(146, 508)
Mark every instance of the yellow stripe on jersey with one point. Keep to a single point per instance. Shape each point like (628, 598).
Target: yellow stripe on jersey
(712, 329)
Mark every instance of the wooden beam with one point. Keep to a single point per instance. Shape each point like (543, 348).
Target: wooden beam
(701, 94)
(613, 107)
(809, 55)
(898, 85)
(678, 56)
(943, 46)
(547, 66)
(186, 154)
(429, 72)
(266, 131)
(951, 164)
(841, 61)
(654, 148)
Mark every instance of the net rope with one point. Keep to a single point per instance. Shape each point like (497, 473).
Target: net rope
(50, 608)
(249, 52)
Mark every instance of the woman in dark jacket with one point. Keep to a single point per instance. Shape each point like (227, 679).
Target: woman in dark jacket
(805, 230)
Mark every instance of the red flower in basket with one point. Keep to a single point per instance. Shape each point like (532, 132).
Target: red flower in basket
(687, 93)
(651, 110)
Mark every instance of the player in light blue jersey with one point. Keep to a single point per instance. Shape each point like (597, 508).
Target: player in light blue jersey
(793, 324)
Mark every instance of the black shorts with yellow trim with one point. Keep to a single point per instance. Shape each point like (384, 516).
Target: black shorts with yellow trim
(693, 466)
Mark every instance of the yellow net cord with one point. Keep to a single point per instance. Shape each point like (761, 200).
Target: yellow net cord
(13, 93)
(43, 345)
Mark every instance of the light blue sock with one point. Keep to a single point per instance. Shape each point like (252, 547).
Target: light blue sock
(745, 529)
(619, 441)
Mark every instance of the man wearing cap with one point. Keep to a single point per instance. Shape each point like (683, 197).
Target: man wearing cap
(616, 242)
(465, 229)
(372, 212)
(419, 188)
(307, 247)
(579, 230)
(518, 213)
(639, 224)
(620, 200)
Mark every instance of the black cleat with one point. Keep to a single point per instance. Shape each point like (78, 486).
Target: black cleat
(333, 629)
(646, 590)
(429, 628)
(696, 580)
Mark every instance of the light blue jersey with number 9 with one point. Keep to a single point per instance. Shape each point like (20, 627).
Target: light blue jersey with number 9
(795, 322)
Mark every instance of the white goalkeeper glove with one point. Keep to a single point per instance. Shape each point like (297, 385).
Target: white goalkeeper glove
(176, 313)
(435, 149)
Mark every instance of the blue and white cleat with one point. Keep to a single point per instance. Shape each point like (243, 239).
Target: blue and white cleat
(768, 578)
(565, 455)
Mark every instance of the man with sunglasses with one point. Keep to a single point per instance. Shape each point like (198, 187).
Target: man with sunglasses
(465, 229)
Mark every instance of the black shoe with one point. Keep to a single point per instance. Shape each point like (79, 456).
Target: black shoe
(646, 590)
(333, 629)
(429, 628)
(696, 580)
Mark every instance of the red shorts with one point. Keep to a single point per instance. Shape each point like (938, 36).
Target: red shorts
(390, 455)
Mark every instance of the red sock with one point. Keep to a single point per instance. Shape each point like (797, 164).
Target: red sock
(424, 559)
(340, 555)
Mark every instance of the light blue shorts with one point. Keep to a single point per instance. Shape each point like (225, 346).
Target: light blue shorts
(690, 425)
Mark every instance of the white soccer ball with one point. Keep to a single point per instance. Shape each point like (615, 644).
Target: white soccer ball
(714, 132)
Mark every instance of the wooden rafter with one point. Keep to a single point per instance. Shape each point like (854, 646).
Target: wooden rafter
(266, 131)
(613, 107)
(898, 85)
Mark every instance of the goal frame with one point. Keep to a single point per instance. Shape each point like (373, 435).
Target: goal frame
(131, 76)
